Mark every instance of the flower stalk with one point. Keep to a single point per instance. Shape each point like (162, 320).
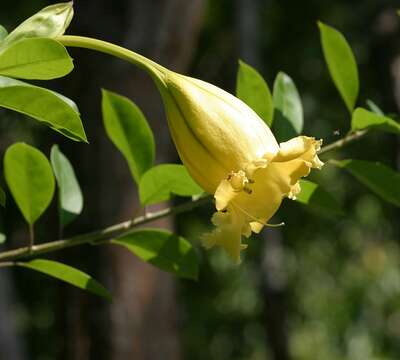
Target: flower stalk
(156, 71)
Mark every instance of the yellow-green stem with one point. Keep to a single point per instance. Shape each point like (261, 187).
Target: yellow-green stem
(155, 70)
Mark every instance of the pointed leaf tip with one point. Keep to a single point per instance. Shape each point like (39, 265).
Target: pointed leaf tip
(70, 196)
(341, 63)
(288, 118)
(127, 128)
(50, 22)
(69, 275)
(252, 89)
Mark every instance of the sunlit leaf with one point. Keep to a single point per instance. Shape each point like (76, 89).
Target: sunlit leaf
(35, 58)
(288, 114)
(161, 181)
(254, 91)
(378, 177)
(341, 64)
(364, 119)
(31, 181)
(70, 197)
(3, 238)
(50, 108)
(313, 195)
(164, 250)
(50, 22)
(68, 274)
(128, 129)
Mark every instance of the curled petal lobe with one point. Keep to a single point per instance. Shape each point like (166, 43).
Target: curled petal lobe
(229, 227)
(252, 201)
(229, 188)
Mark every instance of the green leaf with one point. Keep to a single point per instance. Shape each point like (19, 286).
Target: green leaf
(50, 22)
(128, 129)
(3, 238)
(378, 177)
(68, 274)
(374, 108)
(48, 107)
(3, 33)
(254, 91)
(363, 119)
(30, 179)
(341, 64)
(3, 197)
(161, 181)
(36, 58)
(70, 197)
(164, 250)
(313, 195)
(288, 117)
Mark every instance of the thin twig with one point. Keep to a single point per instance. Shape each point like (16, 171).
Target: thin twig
(7, 264)
(102, 235)
(350, 137)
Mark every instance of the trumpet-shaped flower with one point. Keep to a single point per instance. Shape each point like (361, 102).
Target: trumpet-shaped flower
(231, 153)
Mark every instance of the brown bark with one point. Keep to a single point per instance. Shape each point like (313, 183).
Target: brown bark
(142, 321)
(273, 286)
(274, 289)
(11, 346)
(147, 328)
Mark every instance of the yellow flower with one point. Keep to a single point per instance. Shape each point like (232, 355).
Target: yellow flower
(231, 153)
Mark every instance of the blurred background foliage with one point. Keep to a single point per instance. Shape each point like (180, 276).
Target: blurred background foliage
(322, 287)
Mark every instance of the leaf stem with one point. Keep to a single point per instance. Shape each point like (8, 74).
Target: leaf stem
(31, 238)
(156, 71)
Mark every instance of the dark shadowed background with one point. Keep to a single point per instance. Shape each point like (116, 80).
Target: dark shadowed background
(325, 288)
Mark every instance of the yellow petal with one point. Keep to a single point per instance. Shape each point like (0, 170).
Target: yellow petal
(279, 179)
(229, 188)
(302, 147)
(224, 194)
(249, 203)
(228, 233)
